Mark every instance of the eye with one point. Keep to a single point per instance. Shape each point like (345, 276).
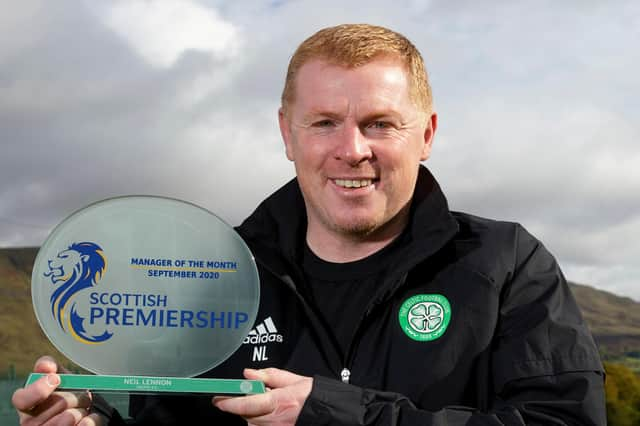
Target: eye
(380, 125)
(323, 123)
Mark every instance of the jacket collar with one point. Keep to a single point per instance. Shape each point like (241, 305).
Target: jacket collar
(276, 230)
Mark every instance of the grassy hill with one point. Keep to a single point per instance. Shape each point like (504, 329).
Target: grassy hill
(21, 339)
(614, 320)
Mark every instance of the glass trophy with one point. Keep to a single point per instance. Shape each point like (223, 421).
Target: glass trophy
(146, 292)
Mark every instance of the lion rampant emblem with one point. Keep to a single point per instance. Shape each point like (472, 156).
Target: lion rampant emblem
(79, 267)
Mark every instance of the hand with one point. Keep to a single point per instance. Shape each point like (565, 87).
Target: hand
(280, 405)
(38, 403)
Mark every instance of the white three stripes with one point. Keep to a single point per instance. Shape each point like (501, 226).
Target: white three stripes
(266, 327)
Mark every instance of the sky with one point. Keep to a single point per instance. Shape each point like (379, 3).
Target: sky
(538, 105)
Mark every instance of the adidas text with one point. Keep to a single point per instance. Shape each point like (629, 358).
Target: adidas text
(265, 338)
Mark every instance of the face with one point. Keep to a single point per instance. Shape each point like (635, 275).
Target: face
(356, 139)
(62, 267)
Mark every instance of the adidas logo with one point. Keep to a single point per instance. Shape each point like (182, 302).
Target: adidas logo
(265, 332)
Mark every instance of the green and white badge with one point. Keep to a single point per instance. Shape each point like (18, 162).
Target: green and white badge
(425, 317)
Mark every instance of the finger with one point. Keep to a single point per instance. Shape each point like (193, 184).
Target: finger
(248, 406)
(285, 413)
(28, 397)
(273, 377)
(45, 364)
(58, 403)
(93, 419)
(71, 416)
(265, 420)
(220, 398)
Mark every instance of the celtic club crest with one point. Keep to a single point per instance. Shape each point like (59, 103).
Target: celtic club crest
(425, 317)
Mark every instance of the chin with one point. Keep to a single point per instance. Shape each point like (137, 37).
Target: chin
(358, 228)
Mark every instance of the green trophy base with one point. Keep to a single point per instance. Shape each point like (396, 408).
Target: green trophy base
(148, 384)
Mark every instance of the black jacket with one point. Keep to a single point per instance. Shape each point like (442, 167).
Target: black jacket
(516, 350)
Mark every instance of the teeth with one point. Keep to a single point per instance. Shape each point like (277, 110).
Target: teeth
(347, 183)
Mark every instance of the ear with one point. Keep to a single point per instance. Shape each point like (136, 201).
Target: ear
(429, 134)
(285, 131)
(84, 258)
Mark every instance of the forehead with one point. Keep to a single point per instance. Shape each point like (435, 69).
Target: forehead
(379, 84)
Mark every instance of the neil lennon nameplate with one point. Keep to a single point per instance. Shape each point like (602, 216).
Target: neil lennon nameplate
(146, 292)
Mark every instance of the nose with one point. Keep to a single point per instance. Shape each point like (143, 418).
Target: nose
(353, 147)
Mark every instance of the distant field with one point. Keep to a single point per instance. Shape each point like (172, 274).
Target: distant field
(631, 362)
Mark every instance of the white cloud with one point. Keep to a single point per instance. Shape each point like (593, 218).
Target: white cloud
(18, 33)
(160, 31)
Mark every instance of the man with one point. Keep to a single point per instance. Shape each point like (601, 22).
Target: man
(390, 309)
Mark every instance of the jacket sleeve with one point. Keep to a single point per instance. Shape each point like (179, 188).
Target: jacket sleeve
(544, 368)
(564, 399)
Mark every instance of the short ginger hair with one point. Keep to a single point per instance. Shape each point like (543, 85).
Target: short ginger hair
(354, 45)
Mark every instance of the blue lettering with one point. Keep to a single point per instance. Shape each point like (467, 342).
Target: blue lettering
(218, 319)
(222, 265)
(151, 318)
(95, 313)
(186, 317)
(112, 315)
(115, 299)
(201, 318)
(150, 262)
(149, 300)
(241, 317)
(127, 316)
(172, 318)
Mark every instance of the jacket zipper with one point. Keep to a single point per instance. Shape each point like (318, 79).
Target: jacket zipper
(345, 373)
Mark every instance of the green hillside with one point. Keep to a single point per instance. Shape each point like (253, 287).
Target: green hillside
(614, 320)
(21, 339)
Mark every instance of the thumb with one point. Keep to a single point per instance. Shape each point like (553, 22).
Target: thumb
(273, 377)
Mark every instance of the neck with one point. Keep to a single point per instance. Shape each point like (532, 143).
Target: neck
(342, 247)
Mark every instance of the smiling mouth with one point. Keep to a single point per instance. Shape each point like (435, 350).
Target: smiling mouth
(352, 183)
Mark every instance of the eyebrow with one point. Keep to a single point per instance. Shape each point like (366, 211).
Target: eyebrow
(314, 115)
(369, 117)
(377, 115)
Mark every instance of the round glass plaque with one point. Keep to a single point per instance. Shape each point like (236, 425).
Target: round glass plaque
(144, 285)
